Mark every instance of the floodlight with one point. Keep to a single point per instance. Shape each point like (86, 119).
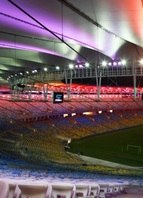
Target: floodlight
(104, 63)
(114, 63)
(45, 69)
(71, 66)
(124, 62)
(141, 61)
(57, 68)
(87, 64)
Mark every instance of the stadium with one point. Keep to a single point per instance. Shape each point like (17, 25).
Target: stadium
(71, 99)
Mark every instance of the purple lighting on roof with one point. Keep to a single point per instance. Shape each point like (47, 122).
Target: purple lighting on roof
(26, 47)
(74, 27)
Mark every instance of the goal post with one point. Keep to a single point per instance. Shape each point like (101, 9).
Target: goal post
(134, 148)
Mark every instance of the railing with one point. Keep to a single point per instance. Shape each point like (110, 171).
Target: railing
(77, 74)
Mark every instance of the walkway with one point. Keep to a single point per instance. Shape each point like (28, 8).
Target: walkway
(95, 161)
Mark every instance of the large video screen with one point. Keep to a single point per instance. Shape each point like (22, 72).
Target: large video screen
(58, 97)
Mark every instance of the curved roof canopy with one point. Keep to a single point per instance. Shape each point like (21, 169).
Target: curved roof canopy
(47, 33)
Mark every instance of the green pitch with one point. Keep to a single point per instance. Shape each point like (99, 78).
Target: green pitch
(123, 146)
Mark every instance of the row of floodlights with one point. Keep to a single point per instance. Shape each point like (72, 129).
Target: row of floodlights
(114, 63)
(118, 63)
(104, 63)
(71, 66)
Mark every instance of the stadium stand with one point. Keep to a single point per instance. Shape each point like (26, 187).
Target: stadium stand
(18, 189)
(81, 190)
(94, 191)
(30, 124)
(62, 191)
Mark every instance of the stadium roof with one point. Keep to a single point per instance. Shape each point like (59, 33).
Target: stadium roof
(47, 33)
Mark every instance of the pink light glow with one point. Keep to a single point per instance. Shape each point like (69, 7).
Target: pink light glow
(93, 89)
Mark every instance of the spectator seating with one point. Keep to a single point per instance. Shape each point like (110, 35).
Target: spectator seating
(103, 190)
(62, 191)
(33, 191)
(94, 191)
(81, 190)
(20, 188)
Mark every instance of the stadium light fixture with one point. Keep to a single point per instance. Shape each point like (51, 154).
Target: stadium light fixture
(87, 113)
(69, 140)
(34, 71)
(124, 62)
(65, 115)
(104, 63)
(87, 64)
(141, 61)
(57, 68)
(71, 66)
(119, 63)
(73, 114)
(45, 69)
(80, 66)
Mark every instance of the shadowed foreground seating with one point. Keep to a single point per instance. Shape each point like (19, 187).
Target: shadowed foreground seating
(30, 191)
(103, 190)
(62, 191)
(11, 191)
(81, 190)
(4, 188)
(94, 191)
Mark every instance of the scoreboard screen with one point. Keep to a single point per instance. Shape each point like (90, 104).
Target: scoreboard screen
(58, 97)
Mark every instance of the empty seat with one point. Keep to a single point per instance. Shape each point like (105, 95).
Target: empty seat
(33, 191)
(103, 190)
(62, 191)
(11, 192)
(94, 191)
(81, 190)
(79, 194)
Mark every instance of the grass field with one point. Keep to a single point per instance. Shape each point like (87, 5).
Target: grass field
(123, 146)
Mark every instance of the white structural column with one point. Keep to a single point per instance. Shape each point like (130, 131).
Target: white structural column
(134, 81)
(98, 82)
(70, 83)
